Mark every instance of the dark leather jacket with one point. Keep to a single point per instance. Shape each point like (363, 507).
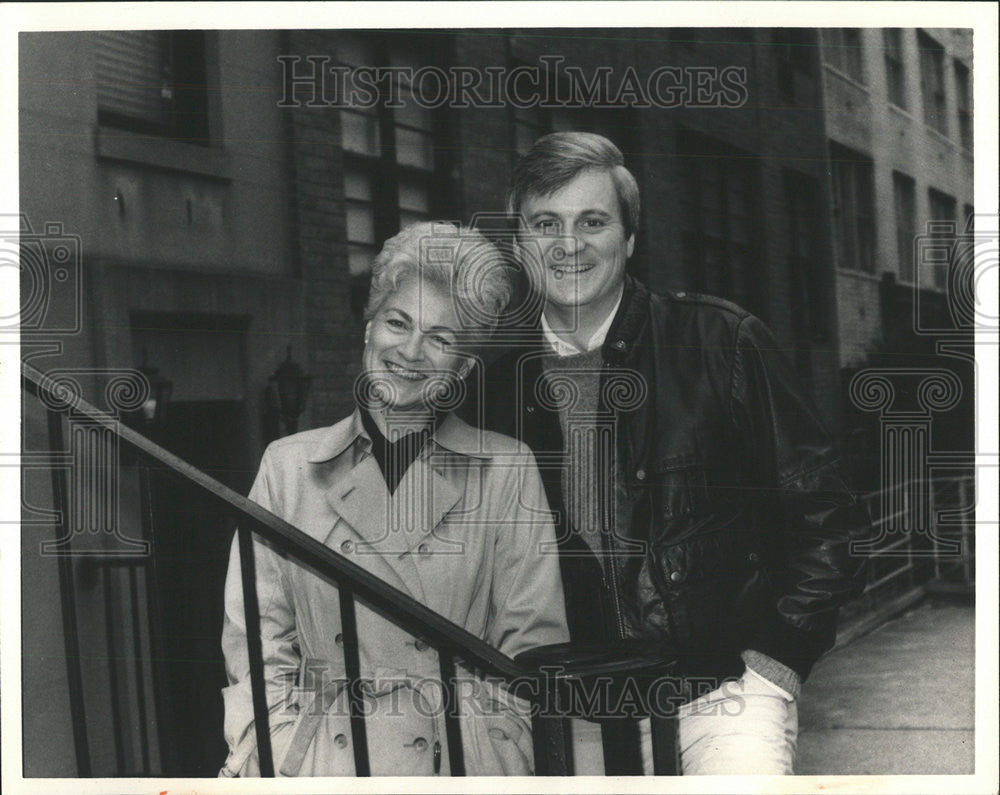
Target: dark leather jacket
(732, 523)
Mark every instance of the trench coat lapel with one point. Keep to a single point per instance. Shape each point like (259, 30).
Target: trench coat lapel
(360, 499)
(391, 529)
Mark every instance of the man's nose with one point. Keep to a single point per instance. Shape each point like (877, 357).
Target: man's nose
(564, 250)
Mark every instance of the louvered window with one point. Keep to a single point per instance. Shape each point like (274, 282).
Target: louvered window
(153, 82)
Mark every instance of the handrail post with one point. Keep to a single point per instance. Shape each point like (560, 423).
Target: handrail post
(352, 665)
(71, 633)
(453, 730)
(551, 742)
(255, 653)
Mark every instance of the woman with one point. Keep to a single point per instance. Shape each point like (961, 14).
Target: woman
(450, 515)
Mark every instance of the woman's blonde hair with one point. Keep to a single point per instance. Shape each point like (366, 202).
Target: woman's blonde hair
(458, 260)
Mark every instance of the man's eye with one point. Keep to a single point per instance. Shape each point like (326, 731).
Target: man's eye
(547, 227)
(594, 223)
(395, 323)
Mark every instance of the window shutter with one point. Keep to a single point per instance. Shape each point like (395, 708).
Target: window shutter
(133, 74)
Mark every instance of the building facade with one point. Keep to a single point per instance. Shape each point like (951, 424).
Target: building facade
(227, 198)
(898, 108)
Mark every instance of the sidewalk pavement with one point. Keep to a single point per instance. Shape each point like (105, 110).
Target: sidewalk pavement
(899, 700)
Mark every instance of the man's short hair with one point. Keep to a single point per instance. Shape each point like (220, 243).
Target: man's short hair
(557, 159)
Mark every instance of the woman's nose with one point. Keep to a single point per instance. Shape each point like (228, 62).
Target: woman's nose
(412, 348)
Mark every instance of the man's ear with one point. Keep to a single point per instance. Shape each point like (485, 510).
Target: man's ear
(630, 245)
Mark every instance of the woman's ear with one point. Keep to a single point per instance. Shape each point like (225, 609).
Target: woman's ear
(368, 330)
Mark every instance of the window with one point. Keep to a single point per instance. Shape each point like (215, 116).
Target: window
(932, 82)
(942, 208)
(531, 123)
(895, 74)
(394, 171)
(963, 98)
(904, 202)
(842, 50)
(853, 209)
(807, 287)
(793, 50)
(719, 186)
(153, 82)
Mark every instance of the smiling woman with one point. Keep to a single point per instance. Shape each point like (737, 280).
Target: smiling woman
(453, 516)
(436, 292)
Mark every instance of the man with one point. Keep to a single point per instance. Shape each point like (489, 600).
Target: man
(699, 496)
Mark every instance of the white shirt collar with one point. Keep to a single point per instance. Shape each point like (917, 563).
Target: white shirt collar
(563, 348)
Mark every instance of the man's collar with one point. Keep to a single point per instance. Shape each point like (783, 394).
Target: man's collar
(563, 348)
(452, 434)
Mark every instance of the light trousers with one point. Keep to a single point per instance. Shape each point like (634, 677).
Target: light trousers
(746, 727)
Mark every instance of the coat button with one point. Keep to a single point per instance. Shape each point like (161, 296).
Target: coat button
(420, 744)
(424, 550)
(347, 547)
(437, 757)
(754, 557)
(621, 345)
(640, 474)
(340, 741)
(530, 409)
(339, 640)
(419, 645)
(677, 576)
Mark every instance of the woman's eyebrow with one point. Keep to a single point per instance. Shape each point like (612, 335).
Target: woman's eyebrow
(440, 328)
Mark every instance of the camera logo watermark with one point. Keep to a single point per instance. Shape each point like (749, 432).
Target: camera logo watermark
(963, 263)
(47, 264)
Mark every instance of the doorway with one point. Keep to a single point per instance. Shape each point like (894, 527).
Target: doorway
(191, 541)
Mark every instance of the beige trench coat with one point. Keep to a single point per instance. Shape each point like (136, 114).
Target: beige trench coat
(461, 534)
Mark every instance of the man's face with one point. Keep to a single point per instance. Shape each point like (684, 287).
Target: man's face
(581, 234)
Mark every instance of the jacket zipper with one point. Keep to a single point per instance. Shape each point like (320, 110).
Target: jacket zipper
(609, 563)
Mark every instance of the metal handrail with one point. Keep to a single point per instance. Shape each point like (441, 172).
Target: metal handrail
(450, 639)
(306, 549)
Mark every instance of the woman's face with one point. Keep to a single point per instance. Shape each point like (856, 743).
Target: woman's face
(410, 351)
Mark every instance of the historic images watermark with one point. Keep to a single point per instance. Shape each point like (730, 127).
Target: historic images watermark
(48, 263)
(86, 468)
(317, 81)
(955, 262)
(317, 688)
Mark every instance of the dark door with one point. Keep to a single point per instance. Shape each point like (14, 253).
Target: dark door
(192, 537)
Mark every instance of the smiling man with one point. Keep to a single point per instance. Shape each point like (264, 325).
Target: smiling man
(700, 502)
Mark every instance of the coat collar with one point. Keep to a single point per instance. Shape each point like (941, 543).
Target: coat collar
(452, 434)
(628, 323)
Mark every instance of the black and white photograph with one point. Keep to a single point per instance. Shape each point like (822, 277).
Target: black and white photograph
(568, 396)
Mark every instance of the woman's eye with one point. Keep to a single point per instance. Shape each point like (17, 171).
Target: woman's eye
(440, 341)
(593, 223)
(547, 227)
(395, 323)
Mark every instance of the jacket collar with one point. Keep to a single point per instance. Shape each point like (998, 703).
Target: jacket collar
(629, 322)
(452, 434)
